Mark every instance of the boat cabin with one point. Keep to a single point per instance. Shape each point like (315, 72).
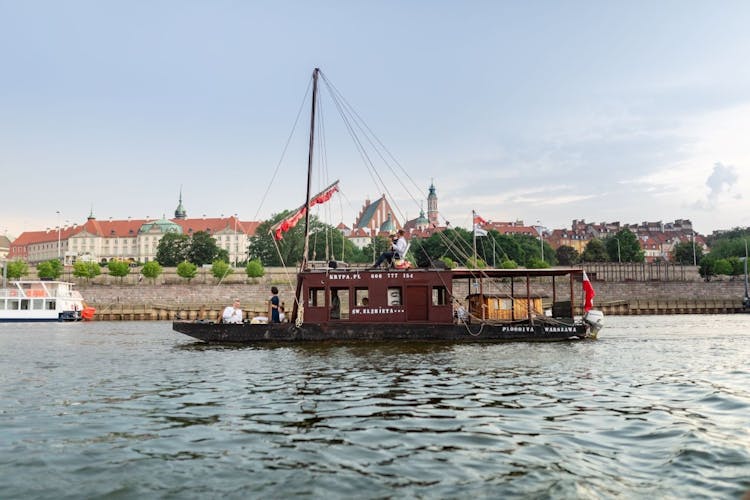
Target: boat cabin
(389, 296)
(504, 307)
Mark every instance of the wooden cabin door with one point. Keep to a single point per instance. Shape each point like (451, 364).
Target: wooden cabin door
(416, 303)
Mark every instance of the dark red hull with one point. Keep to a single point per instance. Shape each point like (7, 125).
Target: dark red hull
(347, 332)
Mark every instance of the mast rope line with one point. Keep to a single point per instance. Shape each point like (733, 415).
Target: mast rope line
(288, 277)
(284, 151)
(372, 139)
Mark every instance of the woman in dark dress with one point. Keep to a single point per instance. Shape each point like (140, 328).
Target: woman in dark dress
(275, 305)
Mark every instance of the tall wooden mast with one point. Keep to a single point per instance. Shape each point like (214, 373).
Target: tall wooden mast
(303, 264)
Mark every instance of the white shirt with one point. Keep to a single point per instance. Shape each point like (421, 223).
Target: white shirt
(231, 315)
(400, 246)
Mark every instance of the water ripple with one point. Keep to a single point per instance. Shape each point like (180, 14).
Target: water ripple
(132, 410)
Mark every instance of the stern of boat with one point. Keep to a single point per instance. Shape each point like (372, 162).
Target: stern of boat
(595, 321)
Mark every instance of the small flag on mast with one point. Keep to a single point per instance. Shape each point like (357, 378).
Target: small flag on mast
(478, 223)
(478, 220)
(589, 293)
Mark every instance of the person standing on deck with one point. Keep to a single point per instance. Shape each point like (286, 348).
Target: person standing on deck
(275, 318)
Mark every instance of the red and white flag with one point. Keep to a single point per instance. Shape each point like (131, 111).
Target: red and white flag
(478, 220)
(588, 292)
(285, 225)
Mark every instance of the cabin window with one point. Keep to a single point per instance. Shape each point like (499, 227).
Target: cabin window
(394, 296)
(24, 304)
(50, 305)
(339, 303)
(37, 304)
(439, 296)
(13, 305)
(361, 296)
(316, 297)
(2, 305)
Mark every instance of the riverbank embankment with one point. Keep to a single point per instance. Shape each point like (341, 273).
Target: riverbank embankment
(173, 299)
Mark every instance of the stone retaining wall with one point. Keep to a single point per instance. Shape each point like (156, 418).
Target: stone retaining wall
(254, 296)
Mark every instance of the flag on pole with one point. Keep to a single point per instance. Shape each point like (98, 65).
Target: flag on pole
(478, 231)
(478, 220)
(588, 292)
(285, 225)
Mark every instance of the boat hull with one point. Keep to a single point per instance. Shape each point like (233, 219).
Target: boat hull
(248, 333)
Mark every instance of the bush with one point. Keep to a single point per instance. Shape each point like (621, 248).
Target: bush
(254, 269)
(187, 270)
(220, 269)
(151, 270)
(118, 269)
(449, 263)
(508, 264)
(17, 269)
(537, 264)
(50, 270)
(86, 270)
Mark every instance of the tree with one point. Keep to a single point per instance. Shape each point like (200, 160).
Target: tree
(51, 269)
(17, 269)
(220, 269)
(738, 265)
(187, 270)
(378, 245)
(326, 242)
(203, 249)
(683, 253)
(567, 255)
(86, 270)
(254, 269)
(594, 251)
(118, 269)
(173, 249)
(723, 266)
(624, 247)
(706, 267)
(151, 270)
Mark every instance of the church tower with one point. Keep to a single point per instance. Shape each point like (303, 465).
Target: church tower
(180, 212)
(432, 206)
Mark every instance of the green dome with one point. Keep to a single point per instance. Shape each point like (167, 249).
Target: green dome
(388, 226)
(162, 225)
(422, 220)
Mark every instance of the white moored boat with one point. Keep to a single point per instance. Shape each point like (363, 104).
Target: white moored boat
(39, 300)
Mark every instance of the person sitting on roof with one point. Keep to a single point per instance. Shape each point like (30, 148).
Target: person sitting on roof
(398, 250)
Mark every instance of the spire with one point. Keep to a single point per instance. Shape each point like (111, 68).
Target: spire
(180, 212)
(91, 213)
(432, 204)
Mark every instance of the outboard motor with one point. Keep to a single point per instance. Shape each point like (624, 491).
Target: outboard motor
(595, 319)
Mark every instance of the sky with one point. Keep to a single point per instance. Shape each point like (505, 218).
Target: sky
(624, 111)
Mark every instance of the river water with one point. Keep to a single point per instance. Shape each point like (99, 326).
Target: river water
(659, 406)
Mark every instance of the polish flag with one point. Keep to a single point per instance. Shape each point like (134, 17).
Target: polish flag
(478, 220)
(285, 225)
(589, 293)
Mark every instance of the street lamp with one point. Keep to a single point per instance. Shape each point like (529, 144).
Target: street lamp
(541, 238)
(693, 236)
(619, 260)
(236, 246)
(58, 234)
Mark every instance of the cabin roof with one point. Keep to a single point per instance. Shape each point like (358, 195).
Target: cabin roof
(515, 273)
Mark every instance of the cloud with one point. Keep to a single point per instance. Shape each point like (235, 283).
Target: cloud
(721, 180)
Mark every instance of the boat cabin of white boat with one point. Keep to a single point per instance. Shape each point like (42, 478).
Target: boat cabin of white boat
(40, 301)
